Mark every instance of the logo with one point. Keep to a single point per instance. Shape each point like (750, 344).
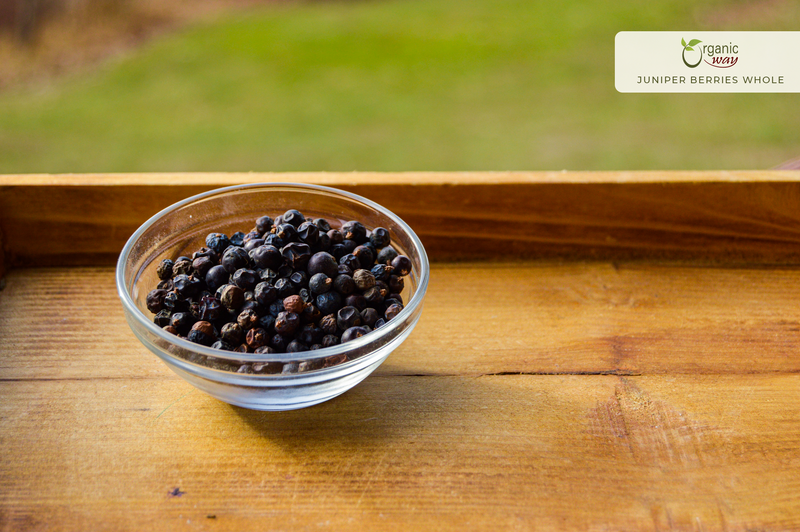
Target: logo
(721, 55)
(690, 48)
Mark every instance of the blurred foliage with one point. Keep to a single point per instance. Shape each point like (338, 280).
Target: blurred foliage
(400, 85)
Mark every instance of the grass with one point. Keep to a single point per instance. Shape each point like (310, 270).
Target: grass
(400, 85)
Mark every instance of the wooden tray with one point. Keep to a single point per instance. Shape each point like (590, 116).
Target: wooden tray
(597, 351)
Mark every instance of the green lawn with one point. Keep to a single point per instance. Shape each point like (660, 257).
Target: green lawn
(400, 85)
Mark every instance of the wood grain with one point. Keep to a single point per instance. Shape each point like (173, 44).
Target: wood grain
(725, 217)
(403, 453)
(478, 319)
(507, 422)
(561, 393)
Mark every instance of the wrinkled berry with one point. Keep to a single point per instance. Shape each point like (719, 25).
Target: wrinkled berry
(186, 285)
(348, 317)
(328, 324)
(320, 283)
(373, 296)
(231, 297)
(352, 333)
(365, 256)
(223, 345)
(392, 311)
(263, 224)
(369, 316)
(201, 265)
(218, 242)
(265, 293)
(330, 340)
(252, 244)
(182, 322)
(210, 308)
(396, 283)
(162, 319)
(247, 319)
(245, 279)
(382, 272)
(296, 346)
(155, 300)
(294, 217)
(354, 231)
(306, 296)
(183, 265)
(175, 303)
(232, 333)
(379, 237)
(308, 233)
(267, 322)
(278, 342)
(386, 255)
(234, 258)
(202, 333)
(256, 337)
(322, 224)
(276, 307)
(271, 239)
(296, 254)
(356, 300)
(237, 238)
(287, 323)
(329, 302)
(311, 314)
(294, 304)
(299, 279)
(336, 236)
(310, 334)
(364, 280)
(269, 275)
(285, 288)
(164, 270)
(287, 233)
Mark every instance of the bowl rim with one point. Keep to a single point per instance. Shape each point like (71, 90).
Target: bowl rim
(388, 329)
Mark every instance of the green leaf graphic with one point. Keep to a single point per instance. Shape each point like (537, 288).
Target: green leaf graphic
(683, 43)
(690, 48)
(694, 41)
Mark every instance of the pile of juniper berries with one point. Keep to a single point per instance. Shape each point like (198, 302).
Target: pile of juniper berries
(291, 284)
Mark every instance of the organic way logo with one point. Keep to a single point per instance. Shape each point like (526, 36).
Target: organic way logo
(690, 48)
(712, 51)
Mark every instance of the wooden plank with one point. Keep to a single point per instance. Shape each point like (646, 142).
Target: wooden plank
(3, 267)
(407, 453)
(337, 179)
(478, 319)
(610, 394)
(726, 217)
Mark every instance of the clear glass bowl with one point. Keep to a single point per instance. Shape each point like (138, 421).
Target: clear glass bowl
(280, 381)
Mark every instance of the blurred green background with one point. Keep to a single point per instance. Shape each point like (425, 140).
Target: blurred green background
(398, 85)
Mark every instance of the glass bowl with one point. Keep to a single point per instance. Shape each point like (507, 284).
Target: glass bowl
(278, 381)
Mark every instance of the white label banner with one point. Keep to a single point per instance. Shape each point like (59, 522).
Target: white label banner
(707, 61)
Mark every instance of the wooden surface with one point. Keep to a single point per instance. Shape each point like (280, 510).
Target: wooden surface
(533, 395)
(721, 217)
